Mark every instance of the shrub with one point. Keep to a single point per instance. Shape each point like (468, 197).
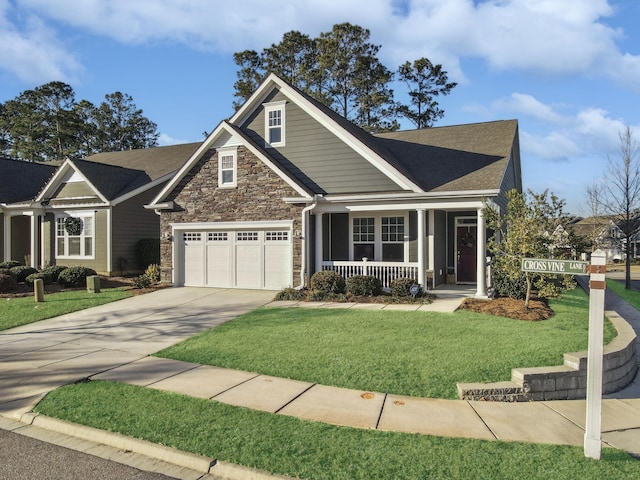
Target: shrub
(289, 294)
(9, 264)
(364, 285)
(401, 287)
(46, 277)
(22, 272)
(54, 271)
(75, 276)
(142, 281)
(327, 281)
(148, 251)
(8, 284)
(507, 286)
(7, 271)
(153, 272)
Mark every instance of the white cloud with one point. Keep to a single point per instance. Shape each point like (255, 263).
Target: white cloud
(525, 104)
(32, 51)
(542, 36)
(165, 139)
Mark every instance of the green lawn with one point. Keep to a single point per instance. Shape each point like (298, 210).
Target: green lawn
(632, 297)
(310, 450)
(23, 310)
(408, 353)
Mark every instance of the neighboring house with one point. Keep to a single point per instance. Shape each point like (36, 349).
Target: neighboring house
(287, 187)
(91, 212)
(603, 233)
(19, 181)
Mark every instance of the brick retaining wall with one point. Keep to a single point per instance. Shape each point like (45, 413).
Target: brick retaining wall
(568, 381)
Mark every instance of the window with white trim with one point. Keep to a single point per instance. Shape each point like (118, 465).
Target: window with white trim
(192, 236)
(364, 238)
(217, 236)
(75, 235)
(274, 124)
(392, 239)
(227, 168)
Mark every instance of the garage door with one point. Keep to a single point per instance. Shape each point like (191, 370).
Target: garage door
(255, 259)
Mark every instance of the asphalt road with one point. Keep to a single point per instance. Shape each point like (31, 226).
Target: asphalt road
(24, 458)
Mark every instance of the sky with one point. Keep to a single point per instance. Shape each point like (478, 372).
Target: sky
(568, 70)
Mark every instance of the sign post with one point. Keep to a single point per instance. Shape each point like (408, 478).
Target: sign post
(597, 286)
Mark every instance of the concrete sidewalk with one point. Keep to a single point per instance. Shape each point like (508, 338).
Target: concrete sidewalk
(113, 342)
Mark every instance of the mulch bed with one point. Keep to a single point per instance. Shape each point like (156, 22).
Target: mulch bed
(510, 308)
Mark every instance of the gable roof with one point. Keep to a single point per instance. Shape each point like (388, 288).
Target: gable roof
(113, 175)
(359, 140)
(226, 128)
(22, 180)
(454, 158)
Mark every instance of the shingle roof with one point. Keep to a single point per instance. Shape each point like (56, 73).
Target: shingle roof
(155, 162)
(454, 158)
(21, 181)
(116, 173)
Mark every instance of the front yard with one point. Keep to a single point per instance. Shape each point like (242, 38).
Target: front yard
(413, 353)
(420, 354)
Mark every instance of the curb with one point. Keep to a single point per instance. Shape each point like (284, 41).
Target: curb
(191, 461)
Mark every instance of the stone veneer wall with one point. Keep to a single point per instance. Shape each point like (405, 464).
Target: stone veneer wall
(257, 197)
(568, 381)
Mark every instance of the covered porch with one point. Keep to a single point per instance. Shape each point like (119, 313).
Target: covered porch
(23, 237)
(436, 244)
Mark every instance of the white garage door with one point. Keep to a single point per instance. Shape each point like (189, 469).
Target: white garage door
(255, 259)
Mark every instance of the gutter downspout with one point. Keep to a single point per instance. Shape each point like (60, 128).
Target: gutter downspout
(305, 244)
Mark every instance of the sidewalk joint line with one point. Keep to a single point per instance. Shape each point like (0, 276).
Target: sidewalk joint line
(384, 402)
(482, 420)
(296, 397)
(234, 386)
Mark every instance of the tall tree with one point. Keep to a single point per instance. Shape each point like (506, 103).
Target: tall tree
(374, 103)
(47, 123)
(346, 52)
(250, 75)
(425, 81)
(622, 192)
(121, 125)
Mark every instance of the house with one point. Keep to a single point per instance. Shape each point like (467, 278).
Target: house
(286, 187)
(20, 181)
(91, 212)
(603, 233)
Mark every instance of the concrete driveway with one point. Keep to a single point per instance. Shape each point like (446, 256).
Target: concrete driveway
(37, 358)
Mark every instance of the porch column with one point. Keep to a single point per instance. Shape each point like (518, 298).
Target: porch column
(35, 240)
(422, 233)
(432, 244)
(481, 246)
(319, 241)
(7, 237)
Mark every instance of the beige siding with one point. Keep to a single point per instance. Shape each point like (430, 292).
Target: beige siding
(74, 190)
(319, 155)
(132, 222)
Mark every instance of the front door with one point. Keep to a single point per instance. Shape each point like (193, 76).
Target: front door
(466, 241)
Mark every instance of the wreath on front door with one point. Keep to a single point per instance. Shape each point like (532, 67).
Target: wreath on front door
(73, 225)
(467, 240)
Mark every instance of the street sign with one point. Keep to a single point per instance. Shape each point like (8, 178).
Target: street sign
(561, 267)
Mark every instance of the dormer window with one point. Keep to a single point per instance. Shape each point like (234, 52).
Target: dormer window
(274, 124)
(227, 168)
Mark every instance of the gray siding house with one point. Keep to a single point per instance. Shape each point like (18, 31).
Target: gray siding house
(91, 212)
(286, 187)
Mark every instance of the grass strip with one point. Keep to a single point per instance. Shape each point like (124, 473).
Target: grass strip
(23, 310)
(310, 450)
(632, 297)
(420, 354)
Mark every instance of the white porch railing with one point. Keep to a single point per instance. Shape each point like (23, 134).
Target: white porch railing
(385, 271)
